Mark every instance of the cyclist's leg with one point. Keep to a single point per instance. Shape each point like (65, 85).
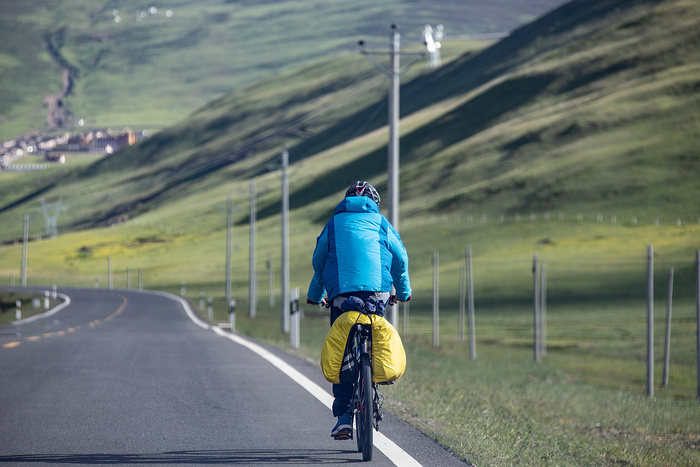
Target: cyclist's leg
(341, 392)
(343, 396)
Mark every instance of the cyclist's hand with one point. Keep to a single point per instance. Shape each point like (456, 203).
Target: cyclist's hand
(324, 302)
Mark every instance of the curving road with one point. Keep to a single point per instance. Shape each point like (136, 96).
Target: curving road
(133, 378)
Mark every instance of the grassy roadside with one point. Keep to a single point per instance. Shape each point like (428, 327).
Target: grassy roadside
(8, 306)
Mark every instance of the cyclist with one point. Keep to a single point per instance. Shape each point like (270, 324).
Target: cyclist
(359, 253)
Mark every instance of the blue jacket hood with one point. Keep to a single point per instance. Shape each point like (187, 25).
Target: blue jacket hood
(356, 204)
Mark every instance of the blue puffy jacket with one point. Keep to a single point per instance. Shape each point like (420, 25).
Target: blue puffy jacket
(359, 250)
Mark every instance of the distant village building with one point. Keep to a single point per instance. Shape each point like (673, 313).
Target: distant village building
(109, 143)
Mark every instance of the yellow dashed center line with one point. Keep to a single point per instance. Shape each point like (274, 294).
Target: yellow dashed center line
(46, 335)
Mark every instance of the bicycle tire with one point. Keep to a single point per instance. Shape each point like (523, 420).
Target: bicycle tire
(365, 426)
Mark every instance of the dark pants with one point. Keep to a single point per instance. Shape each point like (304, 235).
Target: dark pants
(343, 392)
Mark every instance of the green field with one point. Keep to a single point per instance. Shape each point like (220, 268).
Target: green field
(575, 138)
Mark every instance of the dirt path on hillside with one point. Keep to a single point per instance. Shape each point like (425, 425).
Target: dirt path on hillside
(56, 114)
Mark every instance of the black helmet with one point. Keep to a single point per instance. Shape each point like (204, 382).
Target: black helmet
(363, 189)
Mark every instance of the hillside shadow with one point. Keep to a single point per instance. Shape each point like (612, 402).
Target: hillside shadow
(475, 115)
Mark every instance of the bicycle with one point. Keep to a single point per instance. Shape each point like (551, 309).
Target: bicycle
(366, 401)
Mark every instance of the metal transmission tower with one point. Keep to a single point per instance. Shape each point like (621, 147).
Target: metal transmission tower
(51, 213)
(393, 154)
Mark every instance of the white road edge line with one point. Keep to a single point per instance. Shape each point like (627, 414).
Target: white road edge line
(52, 311)
(390, 449)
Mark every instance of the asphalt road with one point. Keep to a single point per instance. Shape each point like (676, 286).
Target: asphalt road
(131, 378)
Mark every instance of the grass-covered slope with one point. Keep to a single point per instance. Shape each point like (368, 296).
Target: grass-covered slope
(147, 65)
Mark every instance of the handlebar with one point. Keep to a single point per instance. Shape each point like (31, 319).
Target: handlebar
(324, 302)
(393, 300)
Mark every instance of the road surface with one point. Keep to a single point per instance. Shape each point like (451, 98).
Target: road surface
(121, 377)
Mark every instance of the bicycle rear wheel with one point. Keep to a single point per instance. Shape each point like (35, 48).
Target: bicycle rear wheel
(365, 429)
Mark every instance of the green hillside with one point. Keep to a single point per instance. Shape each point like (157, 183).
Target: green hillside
(146, 66)
(575, 138)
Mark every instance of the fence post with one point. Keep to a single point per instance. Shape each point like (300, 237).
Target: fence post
(650, 321)
(462, 299)
(536, 290)
(405, 318)
(667, 348)
(232, 314)
(697, 316)
(470, 297)
(436, 301)
(270, 281)
(23, 276)
(543, 309)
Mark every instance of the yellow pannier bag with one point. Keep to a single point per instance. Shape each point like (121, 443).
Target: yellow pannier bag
(388, 354)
